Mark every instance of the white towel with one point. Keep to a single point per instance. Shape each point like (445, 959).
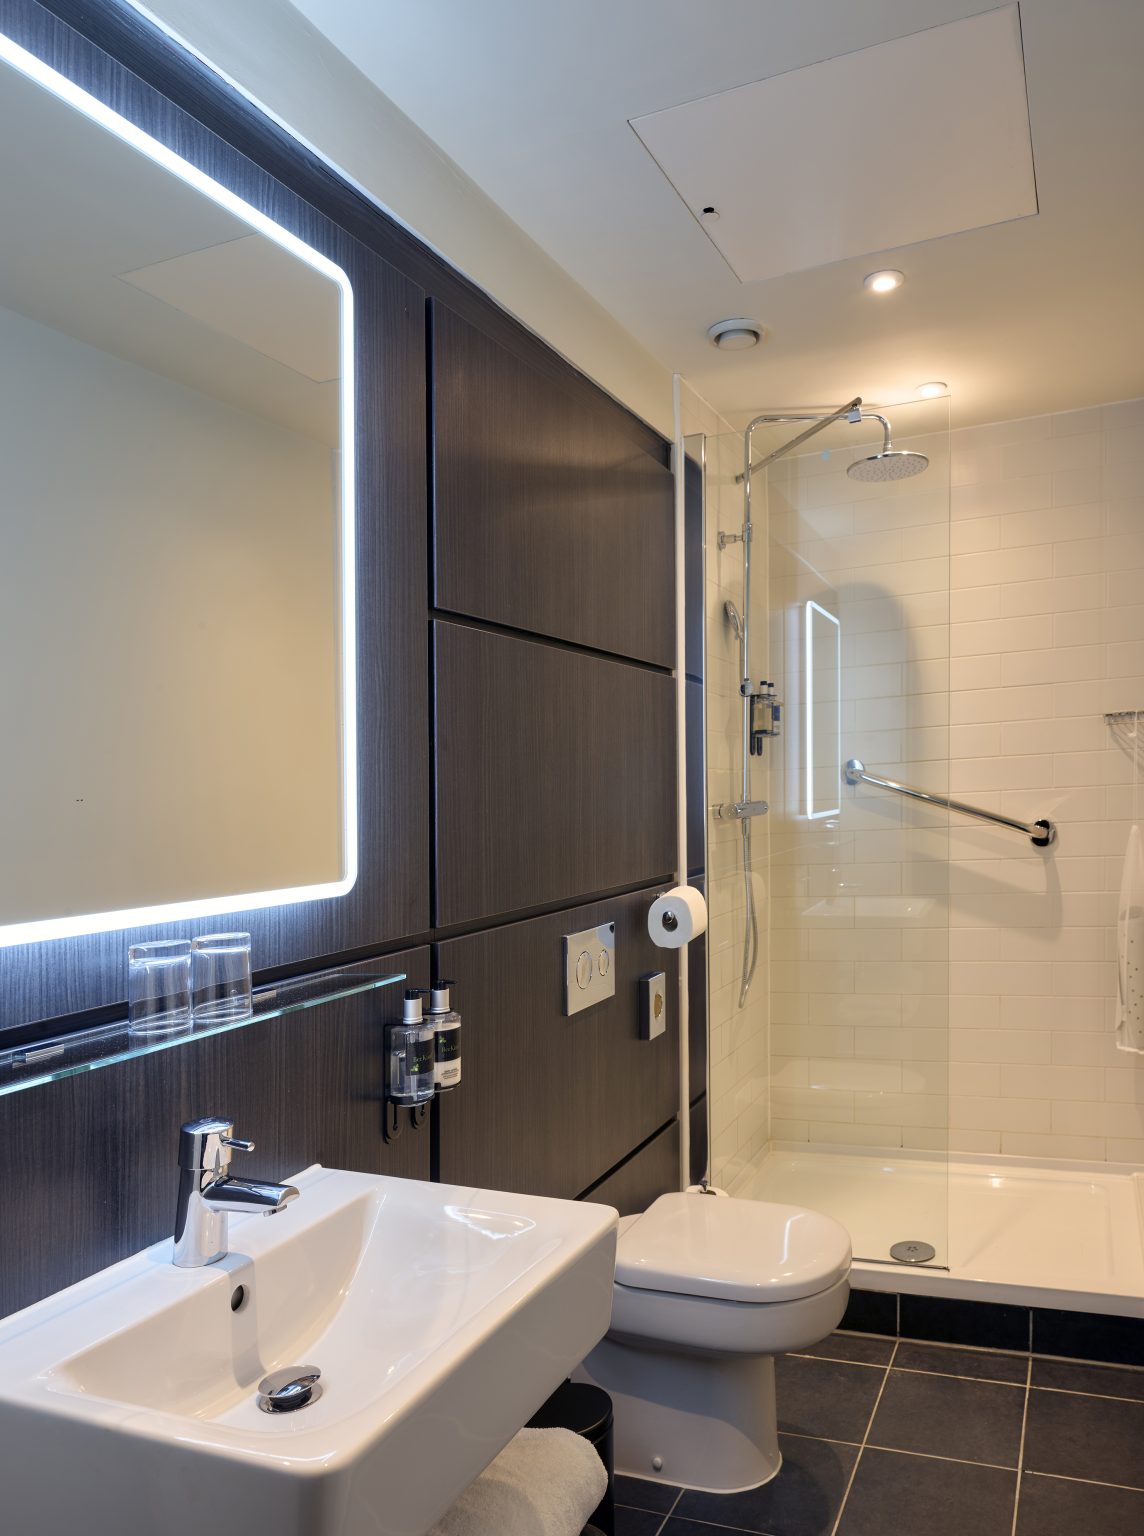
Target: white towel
(1130, 948)
(546, 1482)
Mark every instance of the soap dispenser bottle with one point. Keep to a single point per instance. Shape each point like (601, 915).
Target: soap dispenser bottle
(446, 1022)
(411, 1055)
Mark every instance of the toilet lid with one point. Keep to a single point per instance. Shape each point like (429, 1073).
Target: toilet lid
(735, 1250)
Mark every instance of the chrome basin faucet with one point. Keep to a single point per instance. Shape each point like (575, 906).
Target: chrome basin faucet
(207, 1193)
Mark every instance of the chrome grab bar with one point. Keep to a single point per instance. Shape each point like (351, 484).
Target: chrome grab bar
(1040, 833)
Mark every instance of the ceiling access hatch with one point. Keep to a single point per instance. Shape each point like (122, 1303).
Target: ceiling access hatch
(909, 140)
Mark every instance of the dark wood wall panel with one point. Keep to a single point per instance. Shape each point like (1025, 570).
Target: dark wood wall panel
(549, 1104)
(649, 1173)
(555, 774)
(89, 1164)
(547, 517)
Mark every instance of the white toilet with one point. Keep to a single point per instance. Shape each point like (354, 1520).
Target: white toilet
(707, 1292)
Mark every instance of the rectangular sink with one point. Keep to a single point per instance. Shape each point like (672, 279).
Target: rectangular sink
(440, 1318)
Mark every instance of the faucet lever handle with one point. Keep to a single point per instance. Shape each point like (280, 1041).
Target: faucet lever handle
(237, 1143)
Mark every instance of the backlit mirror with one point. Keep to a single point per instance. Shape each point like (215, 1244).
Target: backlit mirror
(822, 712)
(176, 535)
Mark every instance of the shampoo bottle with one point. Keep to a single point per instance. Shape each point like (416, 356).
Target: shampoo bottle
(446, 1022)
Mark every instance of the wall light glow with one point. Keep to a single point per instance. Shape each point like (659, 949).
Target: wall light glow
(823, 779)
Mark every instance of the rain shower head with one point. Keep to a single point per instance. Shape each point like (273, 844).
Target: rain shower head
(891, 463)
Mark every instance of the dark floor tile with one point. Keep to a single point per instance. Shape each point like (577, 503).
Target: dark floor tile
(824, 1397)
(871, 1312)
(676, 1527)
(1050, 1506)
(948, 1416)
(802, 1501)
(858, 1348)
(1084, 1336)
(1085, 1437)
(978, 1324)
(639, 1493)
(896, 1495)
(1101, 1380)
(946, 1360)
(637, 1522)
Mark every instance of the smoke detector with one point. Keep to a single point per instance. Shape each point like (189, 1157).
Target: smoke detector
(735, 335)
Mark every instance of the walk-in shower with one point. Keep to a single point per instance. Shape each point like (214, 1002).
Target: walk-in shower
(904, 928)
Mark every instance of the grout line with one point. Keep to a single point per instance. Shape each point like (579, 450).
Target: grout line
(1084, 1481)
(958, 1461)
(794, 1434)
(662, 1526)
(862, 1447)
(988, 1381)
(1021, 1448)
(915, 1370)
(1102, 1397)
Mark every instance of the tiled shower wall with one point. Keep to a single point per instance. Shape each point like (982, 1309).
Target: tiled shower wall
(1047, 633)
(739, 1099)
(927, 974)
(860, 941)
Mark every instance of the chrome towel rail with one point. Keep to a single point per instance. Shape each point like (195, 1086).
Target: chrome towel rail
(1040, 833)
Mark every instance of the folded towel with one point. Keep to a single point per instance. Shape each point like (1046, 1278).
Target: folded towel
(546, 1482)
(1130, 949)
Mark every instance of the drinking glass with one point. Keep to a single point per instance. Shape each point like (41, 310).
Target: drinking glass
(159, 988)
(220, 978)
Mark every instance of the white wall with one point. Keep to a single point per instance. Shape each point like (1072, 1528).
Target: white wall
(1047, 633)
(275, 55)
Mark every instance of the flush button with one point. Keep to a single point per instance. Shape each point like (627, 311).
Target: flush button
(589, 967)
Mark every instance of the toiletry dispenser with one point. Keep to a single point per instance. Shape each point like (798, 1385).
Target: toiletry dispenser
(410, 1050)
(446, 1022)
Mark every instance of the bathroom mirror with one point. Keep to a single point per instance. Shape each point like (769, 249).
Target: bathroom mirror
(176, 535)
(823, 651)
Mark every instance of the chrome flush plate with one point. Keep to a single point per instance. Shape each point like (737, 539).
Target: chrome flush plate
(589, 967)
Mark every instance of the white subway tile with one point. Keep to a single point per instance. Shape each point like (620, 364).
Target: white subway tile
(985, 1114)
(1033, 1082)
(999, 1045)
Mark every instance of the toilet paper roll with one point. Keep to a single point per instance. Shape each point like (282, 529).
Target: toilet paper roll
(677, 917)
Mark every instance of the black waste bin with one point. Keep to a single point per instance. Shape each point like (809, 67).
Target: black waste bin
(588, 1411)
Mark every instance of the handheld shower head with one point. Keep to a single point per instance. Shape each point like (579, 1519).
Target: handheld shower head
(731, 614)
(891, 463)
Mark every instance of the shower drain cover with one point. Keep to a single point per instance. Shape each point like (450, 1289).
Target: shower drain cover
(913, 1253)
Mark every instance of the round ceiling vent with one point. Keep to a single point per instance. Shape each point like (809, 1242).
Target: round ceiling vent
(736, 335)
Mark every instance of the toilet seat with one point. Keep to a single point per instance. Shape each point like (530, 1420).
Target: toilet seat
(732, 1251)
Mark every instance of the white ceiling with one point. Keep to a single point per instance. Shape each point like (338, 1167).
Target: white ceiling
(534, 100)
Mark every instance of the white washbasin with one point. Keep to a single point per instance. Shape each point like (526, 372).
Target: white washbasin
(440, 1318)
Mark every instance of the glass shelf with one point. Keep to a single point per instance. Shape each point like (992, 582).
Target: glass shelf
(45, 1061)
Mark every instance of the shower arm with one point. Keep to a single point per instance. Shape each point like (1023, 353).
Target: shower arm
(1040, 833)
(851, 410)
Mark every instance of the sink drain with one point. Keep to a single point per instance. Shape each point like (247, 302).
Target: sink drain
(288, 1390)
(913, 1252)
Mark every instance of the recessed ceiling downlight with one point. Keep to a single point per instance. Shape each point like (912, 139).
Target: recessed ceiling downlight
(883, 282)
(933, 389)
(735, 335)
